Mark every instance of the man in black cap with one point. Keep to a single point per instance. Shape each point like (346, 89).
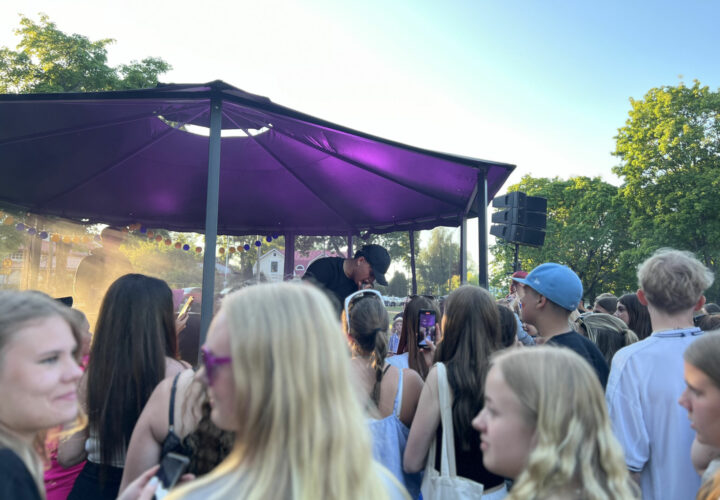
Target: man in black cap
(341, 277)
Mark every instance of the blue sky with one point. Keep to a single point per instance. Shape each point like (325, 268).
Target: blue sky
(540, 84)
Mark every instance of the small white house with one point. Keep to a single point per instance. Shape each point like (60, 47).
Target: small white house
(272, 263)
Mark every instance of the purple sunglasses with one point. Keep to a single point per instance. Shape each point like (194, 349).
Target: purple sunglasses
(211, 362)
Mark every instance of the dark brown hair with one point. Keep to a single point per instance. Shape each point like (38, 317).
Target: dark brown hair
(471, 334)
(134, 333)
(639, 317)
(508, 325)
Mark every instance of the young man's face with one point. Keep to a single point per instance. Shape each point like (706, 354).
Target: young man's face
(528, 301)
(363, 273)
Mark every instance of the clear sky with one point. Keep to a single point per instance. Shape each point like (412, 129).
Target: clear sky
(540, 84)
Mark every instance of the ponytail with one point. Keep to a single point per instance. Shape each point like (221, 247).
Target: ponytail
(378, 360)
(368, 326)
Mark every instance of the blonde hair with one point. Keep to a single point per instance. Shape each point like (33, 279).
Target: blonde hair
(710, 490)
(300, 429)
(576, 450)
(609, 333)
(673, 280)
(17, 311)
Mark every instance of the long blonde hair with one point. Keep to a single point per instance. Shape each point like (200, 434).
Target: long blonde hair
(576, 450)
(18, 310)
(300, 431)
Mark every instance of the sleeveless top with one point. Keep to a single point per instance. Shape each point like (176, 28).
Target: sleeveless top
(204, 456)
(389, 440)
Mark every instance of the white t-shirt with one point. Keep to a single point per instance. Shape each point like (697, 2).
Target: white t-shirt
(645, 383)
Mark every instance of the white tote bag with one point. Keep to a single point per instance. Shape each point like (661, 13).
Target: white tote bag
(446, 484)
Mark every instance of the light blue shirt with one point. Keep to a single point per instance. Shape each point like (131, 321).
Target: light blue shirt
(645, 383)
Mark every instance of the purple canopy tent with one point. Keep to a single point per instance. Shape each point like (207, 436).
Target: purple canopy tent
(127, 157)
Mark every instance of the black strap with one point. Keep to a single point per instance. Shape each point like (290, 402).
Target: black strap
(171, 426)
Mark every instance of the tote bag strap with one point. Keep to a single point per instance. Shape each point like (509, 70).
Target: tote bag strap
(447, 454)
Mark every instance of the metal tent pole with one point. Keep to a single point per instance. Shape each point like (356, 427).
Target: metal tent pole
(481, 201)
(463, 251)
(211, 218)
(412, 261)
(289, 265)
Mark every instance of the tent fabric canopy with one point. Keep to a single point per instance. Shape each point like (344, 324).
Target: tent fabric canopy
(128, 157)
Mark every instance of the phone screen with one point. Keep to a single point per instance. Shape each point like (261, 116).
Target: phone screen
(171, 468)
(185, 306)
(426, 327)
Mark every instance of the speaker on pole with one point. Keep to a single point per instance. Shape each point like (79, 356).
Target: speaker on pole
(522, 220)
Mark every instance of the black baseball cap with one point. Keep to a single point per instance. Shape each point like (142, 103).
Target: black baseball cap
(379, 260)
(68, 301)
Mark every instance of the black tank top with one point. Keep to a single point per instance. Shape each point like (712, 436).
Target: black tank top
(206, 446)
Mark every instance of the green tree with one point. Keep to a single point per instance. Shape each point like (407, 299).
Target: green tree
(398, 286)
(669, 151)
(178, 267)
(397, 244)
(438, 262)
(586, 230)
(49, 60)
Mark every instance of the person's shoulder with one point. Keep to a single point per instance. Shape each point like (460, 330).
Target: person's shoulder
(10, 461)
(634, 351)
(568, 339)
(15, 479)
(412, 379)
(329, 262)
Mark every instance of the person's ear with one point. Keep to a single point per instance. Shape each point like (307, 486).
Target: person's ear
(700, 303)
(641, 297)
(541, 301)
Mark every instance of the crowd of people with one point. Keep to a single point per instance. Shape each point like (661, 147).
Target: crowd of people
(309, 390)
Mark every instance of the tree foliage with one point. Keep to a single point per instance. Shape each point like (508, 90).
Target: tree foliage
(586, 230)
(669, 151)
(49, 60)
(399, 285)
(438, 262)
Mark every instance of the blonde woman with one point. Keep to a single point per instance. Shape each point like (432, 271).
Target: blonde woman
(39, 373)
(545, 425)
(278, 372)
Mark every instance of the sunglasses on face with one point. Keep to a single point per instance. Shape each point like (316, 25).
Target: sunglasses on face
(211, 362)
(360, 294)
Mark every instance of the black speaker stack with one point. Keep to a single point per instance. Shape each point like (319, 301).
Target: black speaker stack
(522, 219)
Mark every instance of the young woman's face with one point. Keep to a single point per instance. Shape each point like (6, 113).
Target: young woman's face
(39, 377)
(506, 438)
(622, 313)
(701, 399)
(222, 386)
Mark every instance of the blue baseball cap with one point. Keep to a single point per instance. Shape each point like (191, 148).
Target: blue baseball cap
(556, 282)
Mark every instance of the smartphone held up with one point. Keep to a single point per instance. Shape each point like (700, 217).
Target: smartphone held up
(171, 469)
(186, 306)
(426, 328)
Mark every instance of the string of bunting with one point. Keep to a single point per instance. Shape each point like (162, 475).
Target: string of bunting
(139, 229)
(150, 234)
